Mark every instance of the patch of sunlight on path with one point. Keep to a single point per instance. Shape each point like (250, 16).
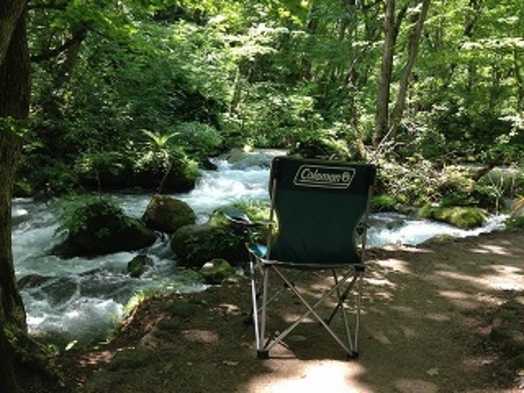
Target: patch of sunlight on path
(310, 377)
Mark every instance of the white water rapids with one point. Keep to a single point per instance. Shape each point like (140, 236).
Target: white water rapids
(83, 298)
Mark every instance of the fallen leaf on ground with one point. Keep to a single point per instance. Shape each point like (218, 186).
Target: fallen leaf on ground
(433, 372)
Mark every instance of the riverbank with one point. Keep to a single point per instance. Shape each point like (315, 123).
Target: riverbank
(427, 323)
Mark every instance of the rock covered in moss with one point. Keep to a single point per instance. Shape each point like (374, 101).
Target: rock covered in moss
(99, 228)
(138, 265)
(463, 217)
(216, 271)
(167, 214)
(194, 245)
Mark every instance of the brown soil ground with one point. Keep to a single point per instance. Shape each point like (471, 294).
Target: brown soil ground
(426, 323)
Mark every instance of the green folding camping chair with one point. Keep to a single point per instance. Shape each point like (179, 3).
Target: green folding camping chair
(321, 210)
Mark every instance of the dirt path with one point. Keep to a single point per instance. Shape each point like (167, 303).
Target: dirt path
(426, 324)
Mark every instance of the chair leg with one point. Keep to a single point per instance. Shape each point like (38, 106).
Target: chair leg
(311, 310)
(259, 313)
(359, 304)
(341, 298)
(261, 349)
(259, 292)
(254, 309)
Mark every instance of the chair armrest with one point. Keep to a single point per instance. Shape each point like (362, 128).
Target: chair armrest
(240, 218)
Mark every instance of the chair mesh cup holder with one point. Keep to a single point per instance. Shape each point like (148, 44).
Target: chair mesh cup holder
(322, 212)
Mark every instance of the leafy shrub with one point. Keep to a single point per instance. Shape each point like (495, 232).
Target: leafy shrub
(198, 138)
(75, 213)
(412, 183)
(385, 203)
(515, 222)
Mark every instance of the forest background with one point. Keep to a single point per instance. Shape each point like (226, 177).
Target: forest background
(111, 94)
(145, 86)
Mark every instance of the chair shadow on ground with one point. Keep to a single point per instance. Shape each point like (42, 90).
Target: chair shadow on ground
(427, 318)
(425, 328)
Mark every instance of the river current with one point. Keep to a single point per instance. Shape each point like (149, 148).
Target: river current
(82, 299)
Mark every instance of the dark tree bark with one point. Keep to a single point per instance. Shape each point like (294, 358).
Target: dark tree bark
(14, 109)
(7, 377)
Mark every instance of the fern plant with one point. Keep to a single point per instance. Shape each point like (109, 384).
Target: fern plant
(159, 141)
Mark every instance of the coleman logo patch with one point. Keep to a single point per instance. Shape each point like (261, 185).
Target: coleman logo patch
(324, 176)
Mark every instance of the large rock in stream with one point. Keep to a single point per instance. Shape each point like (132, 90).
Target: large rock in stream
(104, 230)
(167, 214)
(194, 245)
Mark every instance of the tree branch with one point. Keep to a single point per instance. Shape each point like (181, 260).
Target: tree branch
(74, 40)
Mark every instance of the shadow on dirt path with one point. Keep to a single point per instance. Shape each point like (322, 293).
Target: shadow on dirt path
(425, 328)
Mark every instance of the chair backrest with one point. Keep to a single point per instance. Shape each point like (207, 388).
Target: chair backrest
(318, 206)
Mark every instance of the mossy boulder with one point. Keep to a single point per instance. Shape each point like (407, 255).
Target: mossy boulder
(194, 245)
(167, 214)
(463, 217)
(217, 271)
(438, 239)
(99, 228)
(138, 265)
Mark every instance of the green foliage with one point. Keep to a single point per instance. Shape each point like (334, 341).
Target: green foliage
(75, 213)
(515, 222)
(198, 138)
(411, 184)
(159, 141)
(384, 203)
(516, 219)
(420, 182)
(205, 76)
(8, 124)
(272, 115)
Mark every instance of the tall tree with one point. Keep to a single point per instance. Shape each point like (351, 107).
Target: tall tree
(383, 94)
(14, 108)
(387, 122)
(413, 45)
(391, 31)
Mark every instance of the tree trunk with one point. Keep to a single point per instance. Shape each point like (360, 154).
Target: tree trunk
(391, 31)
(381, 121)
(7, 376)
(14, 108)
(520, 82)
(487, 167)
(413, 45)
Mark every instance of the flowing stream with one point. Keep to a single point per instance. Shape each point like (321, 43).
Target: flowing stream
(82, 299)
